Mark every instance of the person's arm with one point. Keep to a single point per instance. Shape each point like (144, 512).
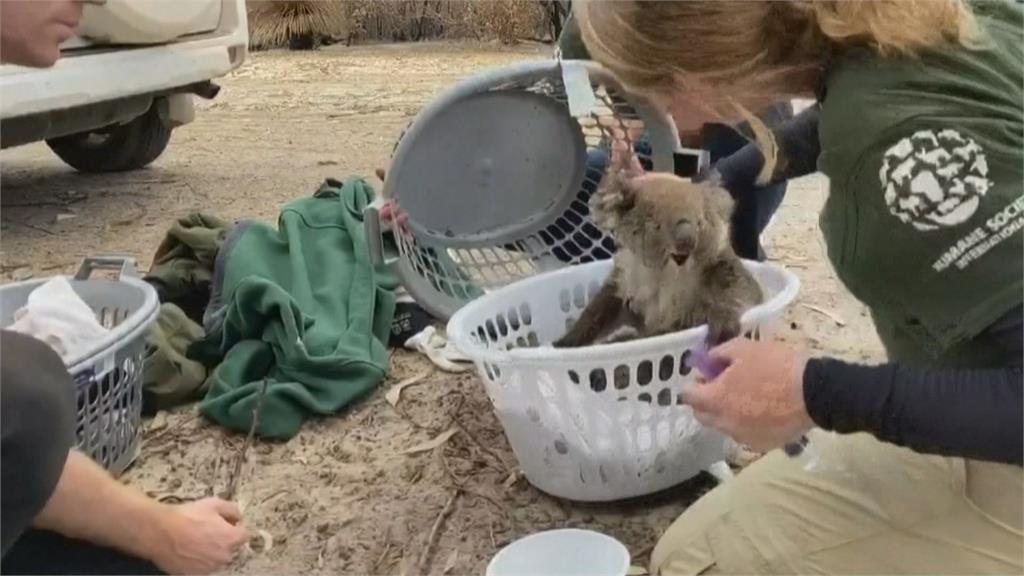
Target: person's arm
(88, 504)
(797, 139)
(972, 413)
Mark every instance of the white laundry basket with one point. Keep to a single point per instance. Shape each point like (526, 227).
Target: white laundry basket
(603, 422)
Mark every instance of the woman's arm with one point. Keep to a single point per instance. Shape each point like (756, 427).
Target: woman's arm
(973, 413)
(797, 139)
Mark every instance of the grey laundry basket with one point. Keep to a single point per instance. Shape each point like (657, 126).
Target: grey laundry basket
(107, 378)
(494, 177)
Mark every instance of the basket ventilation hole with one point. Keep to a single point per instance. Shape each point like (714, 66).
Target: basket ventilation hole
(665, 368)
(621, 377)
(644, 397)
(574, 377)
(533, 414)
(665, 397)
(579, 296)
(502, 325)
(569, 323)
(497, 371)
(487, 371)
(602, 474)
(598, 380)
(644, 373)
(532, 339)
(684, 364)
(521, 342)
(481, 335)
(524, 313)
(749, 335)
(492, 333)
(564, 300)
(513, 319)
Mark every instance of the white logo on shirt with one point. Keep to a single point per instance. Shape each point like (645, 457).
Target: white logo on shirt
(934, 179)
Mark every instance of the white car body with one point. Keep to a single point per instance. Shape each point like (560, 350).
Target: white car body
(127, 57)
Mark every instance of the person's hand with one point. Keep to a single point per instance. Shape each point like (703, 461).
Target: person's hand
(758, 400)
(388, 212)
(199, 537)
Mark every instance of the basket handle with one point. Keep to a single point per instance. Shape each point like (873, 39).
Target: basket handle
(124, 264)
(374, 240)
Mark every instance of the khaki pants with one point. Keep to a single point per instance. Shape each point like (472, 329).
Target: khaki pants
(866, 507)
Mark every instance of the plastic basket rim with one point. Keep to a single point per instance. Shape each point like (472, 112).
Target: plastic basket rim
(458, 329)
(125, 332)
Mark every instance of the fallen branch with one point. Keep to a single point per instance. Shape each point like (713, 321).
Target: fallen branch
(480, 446)
(435, 532)
(829, 314)
(384, 554)
(212, 488)
(229, 493)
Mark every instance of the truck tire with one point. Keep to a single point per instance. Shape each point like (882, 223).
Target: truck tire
(115, 148)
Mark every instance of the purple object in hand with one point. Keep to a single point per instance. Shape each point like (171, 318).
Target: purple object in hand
(712, 367)
(708, 366)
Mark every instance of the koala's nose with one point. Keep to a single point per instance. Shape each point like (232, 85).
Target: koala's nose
(684, 236)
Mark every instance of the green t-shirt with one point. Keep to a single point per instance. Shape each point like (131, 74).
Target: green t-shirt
(924, 217)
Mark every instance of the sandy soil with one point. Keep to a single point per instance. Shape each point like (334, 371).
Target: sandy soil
(341, 497)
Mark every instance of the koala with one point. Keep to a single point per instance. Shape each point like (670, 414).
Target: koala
(674, 268)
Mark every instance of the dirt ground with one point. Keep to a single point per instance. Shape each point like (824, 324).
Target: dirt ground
(341, 497)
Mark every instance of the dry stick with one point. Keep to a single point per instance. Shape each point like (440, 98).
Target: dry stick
(828, 313)
(384, 554)
(435, 532)
(461, 485)
(229, 494)
(478, 444)
(212, 488)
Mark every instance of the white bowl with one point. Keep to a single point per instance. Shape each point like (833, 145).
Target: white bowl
(568, 552)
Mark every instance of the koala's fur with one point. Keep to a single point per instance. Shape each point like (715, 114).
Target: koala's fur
(674, 268)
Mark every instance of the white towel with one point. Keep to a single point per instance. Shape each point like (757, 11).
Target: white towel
(438, 350)
(56, 315)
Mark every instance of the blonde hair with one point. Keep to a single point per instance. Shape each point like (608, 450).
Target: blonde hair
(757, 49)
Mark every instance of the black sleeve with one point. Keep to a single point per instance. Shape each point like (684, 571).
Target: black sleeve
(797, 139)
(971, 413)
(37, 418)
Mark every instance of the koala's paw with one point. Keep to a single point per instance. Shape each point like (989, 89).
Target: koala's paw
(723, 325)
(622, 334)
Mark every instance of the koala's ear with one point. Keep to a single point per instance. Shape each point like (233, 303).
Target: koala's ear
(721, 202)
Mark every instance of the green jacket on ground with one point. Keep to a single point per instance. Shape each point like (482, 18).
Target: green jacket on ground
(301, 306)
(183, 263)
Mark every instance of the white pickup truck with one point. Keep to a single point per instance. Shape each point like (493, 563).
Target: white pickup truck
(124, 81)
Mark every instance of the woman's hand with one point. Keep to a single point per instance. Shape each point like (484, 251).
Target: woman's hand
(199, 537)
(758, 400)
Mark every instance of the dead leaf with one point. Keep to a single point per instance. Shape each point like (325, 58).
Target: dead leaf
(431, 444)
(22, 274)
(832, 315)
(159, 421)
(449, 564)
(636, 571)
(395, 393)
(302, 460)
(511, 480)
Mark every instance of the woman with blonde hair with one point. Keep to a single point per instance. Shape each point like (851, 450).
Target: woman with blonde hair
(921, 135)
